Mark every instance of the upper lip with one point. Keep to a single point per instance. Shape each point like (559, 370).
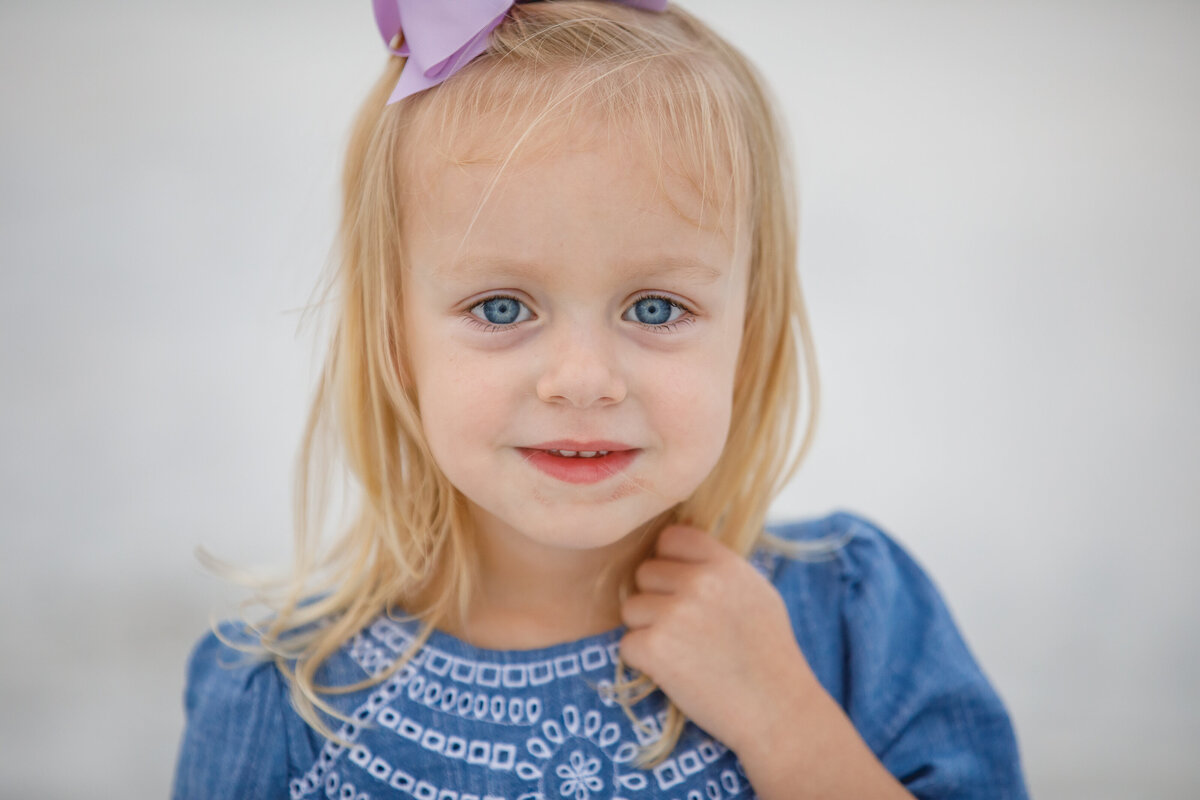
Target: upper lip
(586, 446)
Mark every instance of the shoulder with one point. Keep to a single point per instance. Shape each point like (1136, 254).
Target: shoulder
(850, 545)
(882, 590)
(818, 565)
(215, 669)
(848, 560)
(885, 609)
(235, 737)
(884, 643)
(822, 560)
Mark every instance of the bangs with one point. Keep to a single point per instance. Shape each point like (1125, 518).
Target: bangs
(551, 80)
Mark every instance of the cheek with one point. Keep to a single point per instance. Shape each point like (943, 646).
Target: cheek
(463, 397)
(692, 408)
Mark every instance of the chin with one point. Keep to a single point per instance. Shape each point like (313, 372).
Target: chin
(570, 532)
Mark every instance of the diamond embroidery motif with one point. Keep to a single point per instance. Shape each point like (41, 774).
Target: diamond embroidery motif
(579, 776)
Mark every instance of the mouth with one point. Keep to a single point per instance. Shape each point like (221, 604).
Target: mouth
(580, 462)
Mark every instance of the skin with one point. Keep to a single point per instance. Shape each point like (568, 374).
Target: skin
(578, 363)
(586, 232)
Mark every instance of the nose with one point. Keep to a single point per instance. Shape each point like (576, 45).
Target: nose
(581, 369)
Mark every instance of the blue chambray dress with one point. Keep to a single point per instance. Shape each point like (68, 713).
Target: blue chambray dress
(463, 723)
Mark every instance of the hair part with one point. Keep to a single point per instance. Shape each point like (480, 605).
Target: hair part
(697, 106)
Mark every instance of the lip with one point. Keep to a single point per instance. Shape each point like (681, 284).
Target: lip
(580, 470)
(588, 445)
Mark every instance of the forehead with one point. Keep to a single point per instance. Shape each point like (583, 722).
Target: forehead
(587, 184)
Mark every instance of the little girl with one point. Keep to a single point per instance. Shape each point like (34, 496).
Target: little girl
(564, 375)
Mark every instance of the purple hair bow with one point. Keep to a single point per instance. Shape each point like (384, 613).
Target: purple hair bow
(441, 37)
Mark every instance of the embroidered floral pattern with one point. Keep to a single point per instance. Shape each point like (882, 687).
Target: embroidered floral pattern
(579, 776)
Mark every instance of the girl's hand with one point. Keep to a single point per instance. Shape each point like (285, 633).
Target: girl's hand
(715, 635)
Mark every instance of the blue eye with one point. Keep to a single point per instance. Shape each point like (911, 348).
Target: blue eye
(652, 312)
(502, 310)
(655, 311)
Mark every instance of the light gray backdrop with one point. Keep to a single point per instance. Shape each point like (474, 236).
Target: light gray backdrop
(999, 247)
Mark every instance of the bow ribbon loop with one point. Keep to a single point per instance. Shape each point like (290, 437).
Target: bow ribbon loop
(440, 38)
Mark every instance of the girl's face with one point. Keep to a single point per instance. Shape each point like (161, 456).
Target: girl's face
(580, 313)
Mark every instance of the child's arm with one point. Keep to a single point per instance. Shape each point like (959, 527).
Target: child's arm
(812, 750)
(716, 636)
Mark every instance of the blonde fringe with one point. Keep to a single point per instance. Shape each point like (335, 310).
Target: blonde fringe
(408, 545)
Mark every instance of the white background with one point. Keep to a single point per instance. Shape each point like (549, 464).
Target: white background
(1000, 242)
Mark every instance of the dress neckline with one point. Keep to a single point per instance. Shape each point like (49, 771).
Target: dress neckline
(399, 629)
(456, 646)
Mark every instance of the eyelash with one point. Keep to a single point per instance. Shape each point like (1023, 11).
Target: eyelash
(687, 318)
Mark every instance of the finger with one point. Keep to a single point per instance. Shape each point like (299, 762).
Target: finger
(685, 543)
(635, 651)
(642, 610)
(662, 575)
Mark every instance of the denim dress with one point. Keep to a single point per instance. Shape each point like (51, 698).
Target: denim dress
(464, 723)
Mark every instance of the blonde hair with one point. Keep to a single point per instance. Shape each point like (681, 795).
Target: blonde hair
(668, 78)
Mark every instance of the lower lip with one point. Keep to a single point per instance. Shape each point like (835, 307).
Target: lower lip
(579, 470)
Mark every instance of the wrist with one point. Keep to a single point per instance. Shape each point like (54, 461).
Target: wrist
(813, 752)
(784, 713)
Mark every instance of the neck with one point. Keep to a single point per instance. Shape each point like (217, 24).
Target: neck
(532, 595)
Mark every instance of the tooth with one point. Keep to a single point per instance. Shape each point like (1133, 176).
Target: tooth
(602, 452)
(566, 452)
(588, 453)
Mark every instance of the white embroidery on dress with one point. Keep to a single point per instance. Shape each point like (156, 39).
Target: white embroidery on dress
(396, 639)
(579, 776)
(573, 754)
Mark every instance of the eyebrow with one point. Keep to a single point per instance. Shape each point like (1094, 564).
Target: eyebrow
(654, 266)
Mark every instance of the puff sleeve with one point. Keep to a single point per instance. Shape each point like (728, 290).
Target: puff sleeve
(234, 740)
(913, 689)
